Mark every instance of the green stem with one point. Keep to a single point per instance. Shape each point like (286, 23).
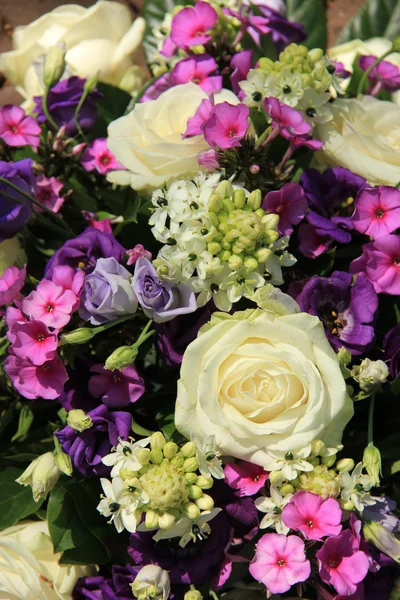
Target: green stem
(93, 330)
(139, 430)
(371, 419)
(368, 71)
(263, 136)
(76, 114)
(46, 110)
(213, 595)
(144, 335)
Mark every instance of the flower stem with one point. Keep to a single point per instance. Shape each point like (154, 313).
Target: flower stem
(213, 595)
(371, 419)
(144, 335)
(46, 110)
(368, 71)
(76, 114)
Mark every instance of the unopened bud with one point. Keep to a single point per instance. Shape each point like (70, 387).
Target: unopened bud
(177, 461)
(126, 474)
(346, 504)
(166, 520)
(157, 440)
(270, 222)
(286, 489)
(318, 448)
(239, 198)
(120, 358)
(63, 462)
(396, 44)
(54, 65)
(315, 54)
(251, 263)
(193, 595)
(370, 373)
(254, 169)
(151, 519)
(224, 190)
(205, 483)
(42, 475)
(276, 478)
(156, 456)
(78, 149)
(255, 199)
(328, 461)
(170, 449)
(345, 465)
(191, 477)
(195, 492)
(383, 539)
(205, 502)
(372, 463)
(189, 450)
(78, 420)
(190, 465)
(235, 262)
(262, 254)
(151, 583)
(190, 510)
(143, 456)
(82, 335)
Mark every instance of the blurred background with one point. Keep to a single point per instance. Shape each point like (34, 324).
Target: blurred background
(22, 12)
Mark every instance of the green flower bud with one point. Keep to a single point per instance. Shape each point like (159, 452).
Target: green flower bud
(121, 357)
(345, 465)
(177, 461)
(328, 461)
(143, 456)
(156, 456)
(315, 54)
(262, 254)
(286, 489)
(239, 198)
(251, 263)
(270, 222)
(235, 262)
(276, 478)
(189, 450)
(170, 449)
(382, 539)
(205, 483)
(228, 205)
(317, 448)
(191, 477)
(214, 248)
(166, 520)
(151, 519)
(321, 481)
(42, 475)
(270, 237)
(126, 474)
(63, 462)
(190, 510)
(346, 504)
(224, 255)
(190, 465)
(215, 204)
(157, 440)
(205, 502)
(54, 65)
(82, 335)
(224, 190)
(372, 463)
(193, 595)
(396, 44)
(195, 492)
(255, 199)
(165, 485)
(78, 420)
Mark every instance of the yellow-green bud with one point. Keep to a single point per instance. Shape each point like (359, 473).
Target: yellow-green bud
(143, 456)
(166, 520)
(205, 483)
(345, 465)
(205, 502)
(276, 478)
(127, 474)
(42, 475)
(189, 450)
(193, 595)
(178, 460)
(214, 248)
(346, 504)
(286, 489)
(396, 44)
(328, 461)
(224, 190)
(383, 539)
(170, 449)
(63, 462)
(270, 222)
(195, 492)
(251, 263)
(235, 262)
(215, 204)
(262, 254)
(239, 198)
(315, 54)
(157, 440)
(156, 456)
(372, 463)
(255, 199)
(82, 335)
(121, 357)
(151, 519)
(190, 510)
(190, 465)
(318, 448)
(191, 478)
(78, 420)
(228, 205)
(54, 65)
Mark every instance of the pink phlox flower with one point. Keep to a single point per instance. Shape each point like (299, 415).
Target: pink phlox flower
(11, 283)
(226, 568)
(34, 341)
(196, 123)
(14, 314)
(137, 252)
(341, 564)
(115, 388)
(256, 26)
(161, 85)
(69, 279)
(286, 120)
(48, 193)
(380, 261)
(289, 203)
(297, 141)
(313, 516)
(385, 75)
(103, 225)
(245, 477)
(311, 244)
(32, 381)
(97, 157)
(191, 25)
(227, 125)
(17, 129)
(280, 562)
(377, 211)
(209, 160)
(50, 303)
(169, 48)
(198, 69)
(240, 65)
(356, 528)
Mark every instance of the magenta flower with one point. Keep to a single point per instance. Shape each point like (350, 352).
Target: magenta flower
(240, 65)
(50, 303)
(313, 516)
(115, 388)
(32, 381)
(48, 193)
(286, 120)
(69, 279)
(227, 125)
(384, 76)
(245, 477)
(256, 26)
(289, 203)
(13, 315)
(34, 341)
(377, 211)
(208, 160)
(137, 252)
(341, 564)
(11, 283)
(196, 123)
(191, 25)
(97, 157)
(198, 69)
(311, 244)
(280, 562)
(103, 225)
(16, 129)
(380, 261)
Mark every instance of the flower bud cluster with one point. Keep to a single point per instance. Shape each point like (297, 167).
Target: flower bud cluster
(217, 239)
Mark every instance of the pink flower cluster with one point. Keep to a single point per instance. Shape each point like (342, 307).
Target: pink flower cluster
(17, 129)
(33, 324)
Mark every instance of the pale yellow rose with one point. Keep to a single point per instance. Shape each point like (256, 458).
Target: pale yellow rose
(11, 253)
(257, 381)
(363, 136)
(29, 569)
(99, 40)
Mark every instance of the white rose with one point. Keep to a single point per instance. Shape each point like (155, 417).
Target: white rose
(99, 40)
(259, 381)
(29, 569)
(148, 141)
(363, 136)
(346, 53)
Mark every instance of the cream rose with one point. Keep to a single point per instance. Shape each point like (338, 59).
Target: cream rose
(29, 569)
(258, 381)
(100, 39)
(363, 136)
(148, 141)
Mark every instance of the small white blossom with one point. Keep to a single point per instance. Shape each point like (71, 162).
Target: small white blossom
(121, 503)
(254, 87)
(285, 85)
(289, 464)
(314, 107)
(370, 373)
(207, 456)
(125, 456)
(151, 583)
(188, 529)
(355, 487)
(273, 507)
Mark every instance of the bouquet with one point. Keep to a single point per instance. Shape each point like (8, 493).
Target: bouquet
(200, 298)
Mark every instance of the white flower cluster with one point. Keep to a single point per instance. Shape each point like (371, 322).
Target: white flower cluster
(217, 239)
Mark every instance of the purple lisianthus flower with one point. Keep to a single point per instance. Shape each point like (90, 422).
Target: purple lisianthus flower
(289, 203)
(384, 76)
(62, 101)
(283, 31)
(391, 346)
(100, 588)
(382, 512)
(115, 388)
(331, 199)
(87, 448)
(107, 293)
(347, 310)
(197, 563)
(161, 85)
(13, 214)
(160, 300)
(84, 250)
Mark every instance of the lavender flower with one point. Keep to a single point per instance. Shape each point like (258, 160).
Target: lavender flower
(15, 214)
(391, 346)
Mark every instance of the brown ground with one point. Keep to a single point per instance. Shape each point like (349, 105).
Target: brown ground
(21, 12)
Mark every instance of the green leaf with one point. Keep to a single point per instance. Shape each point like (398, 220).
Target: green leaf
(312, 15)
(377, 18)
(110, 107)
(25, 421)
(16, 501)
(154, 12)
(66, 527)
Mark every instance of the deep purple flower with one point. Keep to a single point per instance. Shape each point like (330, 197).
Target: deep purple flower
(382, 512)
(391, 346)
(100, 588)
(14, 215)
(160, 300)
(62, 101)
(84, 250)
(340, 70)
(255, 25)
(331, 199)
(86, 449)
(115, 388)
(346, 309)
(384, 76)
(289, 203)
(283, 31)
(107, 293)
(197, 563)
(240, 65)
(242, 513)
